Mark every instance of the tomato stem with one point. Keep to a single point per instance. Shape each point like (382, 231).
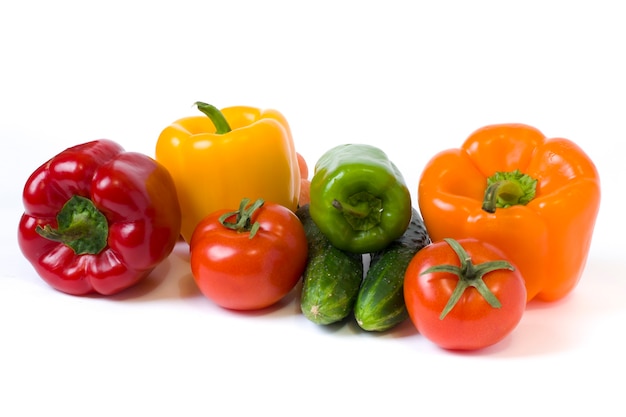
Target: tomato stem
(243, 220)
(469, 275)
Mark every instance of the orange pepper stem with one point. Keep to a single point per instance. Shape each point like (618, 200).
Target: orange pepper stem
(243, 218)
(469, 275)
(506, 189)
(216, 116)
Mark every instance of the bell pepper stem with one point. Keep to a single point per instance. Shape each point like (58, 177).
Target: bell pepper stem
(216, 116)
(361, 210)
(243, 218)
(80, 225)
(469, 275)
(506, 189)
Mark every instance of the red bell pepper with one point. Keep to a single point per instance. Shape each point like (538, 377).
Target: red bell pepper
(98, 219)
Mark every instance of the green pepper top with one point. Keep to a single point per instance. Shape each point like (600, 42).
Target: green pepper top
(359, 198)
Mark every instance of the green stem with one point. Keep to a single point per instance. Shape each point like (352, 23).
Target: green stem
(506, 189)
(362, 210)
(359, 210)
(469, 275)
(509, 192)
(216, 116)
(243, 219)
(80, 225)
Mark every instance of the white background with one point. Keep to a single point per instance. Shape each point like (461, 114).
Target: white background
(413, 78)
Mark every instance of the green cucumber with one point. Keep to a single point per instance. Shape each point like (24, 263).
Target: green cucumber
(331, 279)
(380, 302)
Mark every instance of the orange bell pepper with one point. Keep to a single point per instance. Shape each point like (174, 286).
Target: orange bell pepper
(221, 157)
(535, 198)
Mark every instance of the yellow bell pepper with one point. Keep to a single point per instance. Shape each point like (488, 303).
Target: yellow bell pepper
(221, 157)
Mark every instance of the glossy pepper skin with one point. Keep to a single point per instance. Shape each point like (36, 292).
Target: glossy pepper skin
(548, 234)
(214, 167)
(359, 199)
(137, 218)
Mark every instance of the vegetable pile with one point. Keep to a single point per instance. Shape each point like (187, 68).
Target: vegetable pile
(504, 219)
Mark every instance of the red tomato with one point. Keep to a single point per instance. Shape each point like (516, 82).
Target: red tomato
(302, 165)
(305, 192)
(305, 183)
(472, 323)
(242, 269)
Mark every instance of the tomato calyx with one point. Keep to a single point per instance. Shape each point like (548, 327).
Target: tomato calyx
(243, 217)
(469, 275)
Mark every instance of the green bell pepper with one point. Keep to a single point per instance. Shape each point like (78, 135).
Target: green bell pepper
(359, 198)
